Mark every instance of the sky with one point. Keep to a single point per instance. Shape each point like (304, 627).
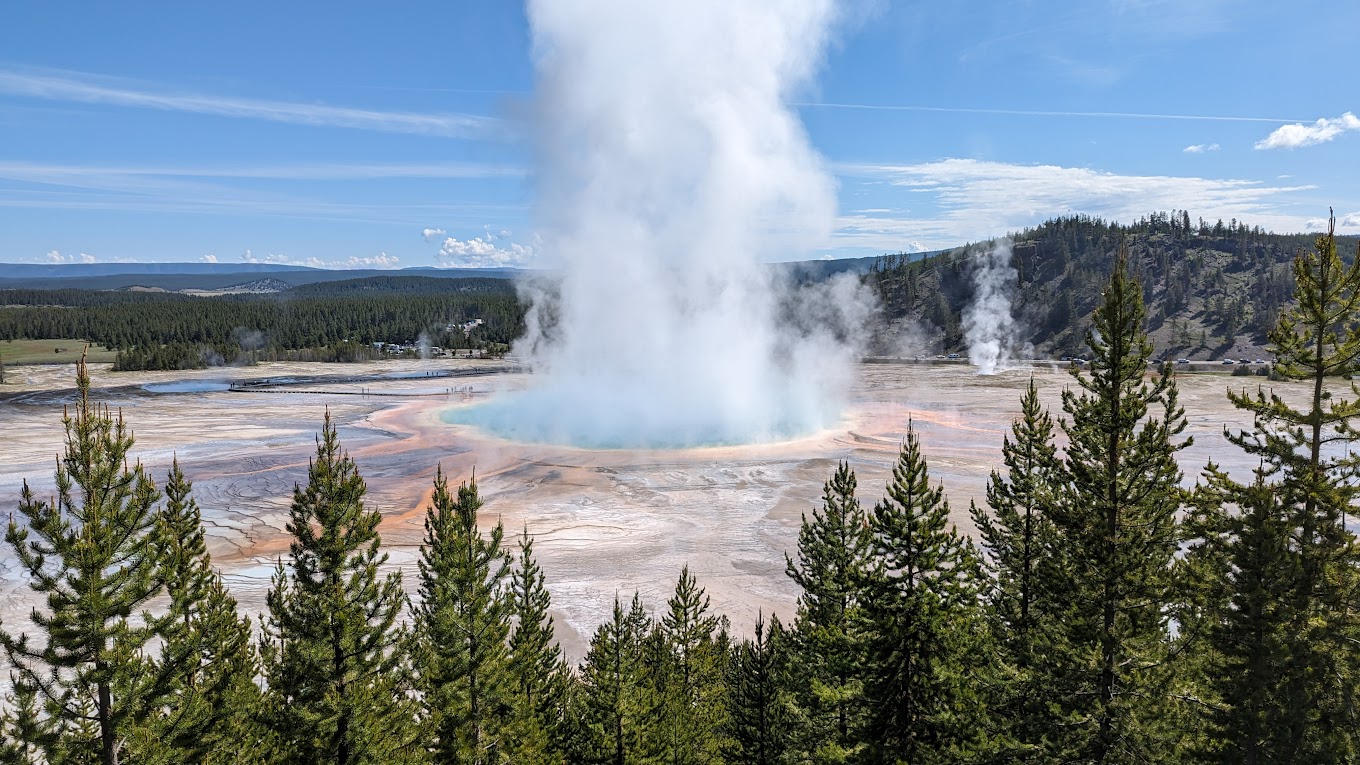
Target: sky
(392, 135)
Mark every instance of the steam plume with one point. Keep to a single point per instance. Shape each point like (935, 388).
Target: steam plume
(988, 325)
(670, 169)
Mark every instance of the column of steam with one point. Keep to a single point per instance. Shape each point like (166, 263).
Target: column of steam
(669, 168)
(989, 328)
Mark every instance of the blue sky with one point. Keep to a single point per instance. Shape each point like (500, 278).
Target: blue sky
(352, 134)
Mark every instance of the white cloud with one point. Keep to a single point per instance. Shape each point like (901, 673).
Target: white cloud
(482, 252)
(273, 257)
(381, 260)
(1350, 220)
(430, 233)
(55, 256)
(85, 88)
(1200, 148)
(975, 199)
(87, 258)
(1299, 134)
(208, 259)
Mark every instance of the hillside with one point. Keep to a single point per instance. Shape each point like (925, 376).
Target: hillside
(1212, 290)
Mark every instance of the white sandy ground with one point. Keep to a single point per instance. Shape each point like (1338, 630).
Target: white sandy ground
(606, 523)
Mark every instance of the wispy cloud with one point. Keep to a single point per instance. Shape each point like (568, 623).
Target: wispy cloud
(212, 190)
(1299, 135)
(58, 174)
(429, 234)
(964, 200)
(1200, 148)
(1045, 113)
(81, 87)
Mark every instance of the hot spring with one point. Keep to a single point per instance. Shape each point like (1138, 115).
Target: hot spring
(584, 419)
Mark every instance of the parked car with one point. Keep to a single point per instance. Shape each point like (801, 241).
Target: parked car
(1229, 361)
(953, 356)
(1182, 361)
(1259, 361)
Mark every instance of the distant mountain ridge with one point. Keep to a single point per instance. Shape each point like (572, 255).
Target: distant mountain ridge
(175, 277)
(81, 270)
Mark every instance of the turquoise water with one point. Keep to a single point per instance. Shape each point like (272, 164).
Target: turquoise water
(528, 417)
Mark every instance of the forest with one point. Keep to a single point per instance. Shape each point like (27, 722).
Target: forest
(1206, 286)
(1105, 614)
(325, 321)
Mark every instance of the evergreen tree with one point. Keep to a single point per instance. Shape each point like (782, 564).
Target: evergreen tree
(1240, 572)
(759, 720)
(1117, 537)
(618, 704)
(330, 640)
(1018, 535)
(1283, 657)
(24, 733)
(693, 675)
(89, 553)
(538, 673)
(925, 638)
(462, 624)
(206, 657)
(824, 645)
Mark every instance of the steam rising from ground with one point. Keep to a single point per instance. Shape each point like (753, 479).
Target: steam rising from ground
(670, 168)
(988, 325)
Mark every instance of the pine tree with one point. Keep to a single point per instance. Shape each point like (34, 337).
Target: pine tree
(923, 624)
(89, 552)
(759, 707)
(1240, 572)
(330, 640)
(824, 646)
(539, 675)
(1017, 532)
(462, 624)
(1283, 653)
(1117, 537)
(693, 670)
(618, 703)
(206, 657)
(1018, 535)
(24, 732)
